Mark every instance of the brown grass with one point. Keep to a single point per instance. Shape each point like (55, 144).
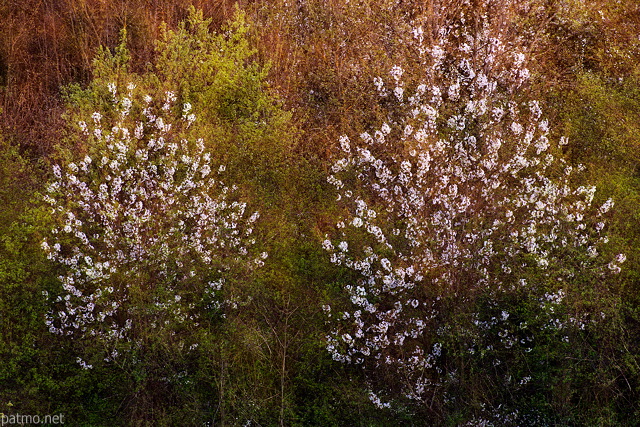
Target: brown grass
(322, 52)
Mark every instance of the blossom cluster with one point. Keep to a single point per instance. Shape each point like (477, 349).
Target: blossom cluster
(463, 195)
(146, 228)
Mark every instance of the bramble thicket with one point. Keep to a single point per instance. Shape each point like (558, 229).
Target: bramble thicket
(321, 212)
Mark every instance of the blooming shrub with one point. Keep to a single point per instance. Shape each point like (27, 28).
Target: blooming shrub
(147, 231)
(458, 204)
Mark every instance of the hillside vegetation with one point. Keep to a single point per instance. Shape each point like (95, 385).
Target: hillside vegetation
(320, 212)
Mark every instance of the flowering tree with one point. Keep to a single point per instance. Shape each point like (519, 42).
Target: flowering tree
(146, 230)
(461, 200)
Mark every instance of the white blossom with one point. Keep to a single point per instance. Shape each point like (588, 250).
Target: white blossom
(149, 211)
(462, 204)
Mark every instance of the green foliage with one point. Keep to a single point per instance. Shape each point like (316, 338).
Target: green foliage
(600, 117)
(601, 120)
(38, 373)
(21, 264)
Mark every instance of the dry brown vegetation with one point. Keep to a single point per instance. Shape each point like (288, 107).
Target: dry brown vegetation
(319, 51)
(45, 45)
